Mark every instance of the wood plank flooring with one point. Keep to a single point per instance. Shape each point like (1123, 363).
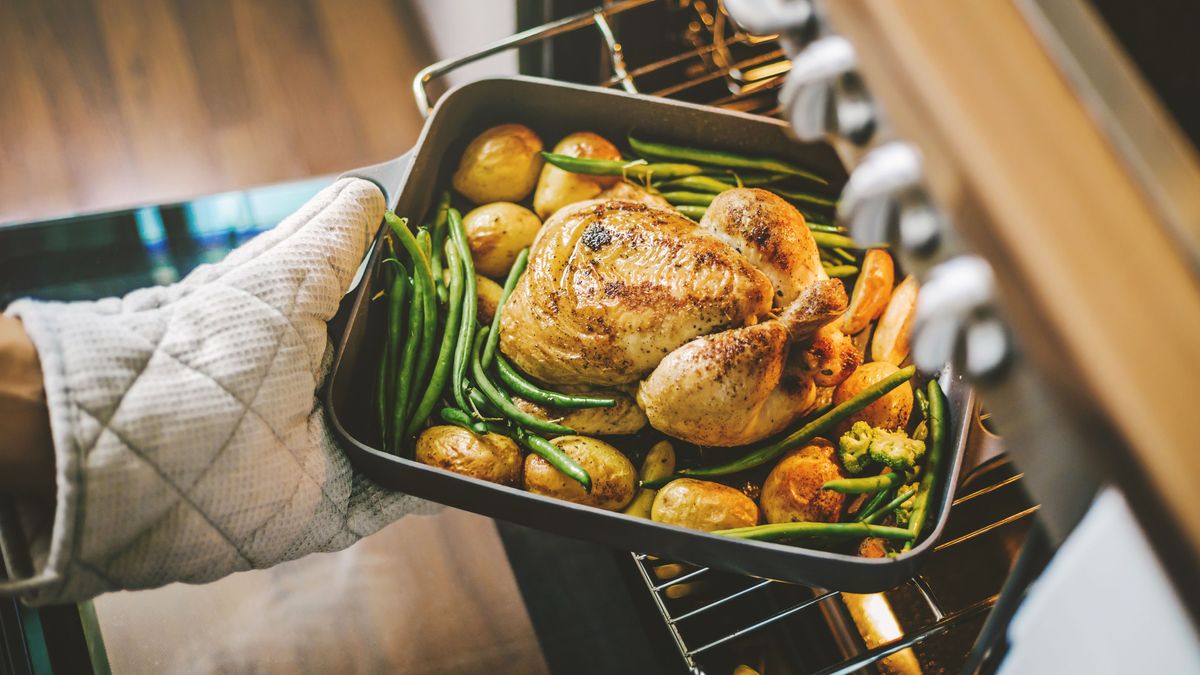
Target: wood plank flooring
(109, 103)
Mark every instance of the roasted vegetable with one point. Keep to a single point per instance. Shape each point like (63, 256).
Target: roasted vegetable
(703, 505)
(487, 294)
(489, 457)
(613, 476)
(890, 411)
(792, 491)
(854, 447)
(863, 443)
(890, 342)
(659, 463)
(497, 233)
(871, 291)
(500, 165)
(556, 187)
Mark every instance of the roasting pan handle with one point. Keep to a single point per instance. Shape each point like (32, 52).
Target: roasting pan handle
(389, 176)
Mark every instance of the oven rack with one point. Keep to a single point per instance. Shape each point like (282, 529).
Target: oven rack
(726, 67)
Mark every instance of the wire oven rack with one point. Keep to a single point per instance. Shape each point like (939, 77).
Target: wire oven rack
(936, 613)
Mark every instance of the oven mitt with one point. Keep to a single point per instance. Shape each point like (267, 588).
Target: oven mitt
(189, 439)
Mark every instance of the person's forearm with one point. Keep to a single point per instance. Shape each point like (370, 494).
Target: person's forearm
(26, 449)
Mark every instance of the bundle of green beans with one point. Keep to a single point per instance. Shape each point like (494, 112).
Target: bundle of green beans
(467, 376)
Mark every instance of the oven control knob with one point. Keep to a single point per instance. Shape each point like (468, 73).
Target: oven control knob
(884, 200)
(956, 320)
(823, 93)
(795, 21)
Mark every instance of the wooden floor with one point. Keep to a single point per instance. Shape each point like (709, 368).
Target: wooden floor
(108, 103)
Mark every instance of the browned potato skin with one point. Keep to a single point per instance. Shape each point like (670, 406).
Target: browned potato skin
(792, 491)
(490, 457)
(557, 188)
(871, 291)
(487, 295)
(613, 476)
(703, 505)
(890, 342)
(496, 233)
(500, 165)
(891, 411)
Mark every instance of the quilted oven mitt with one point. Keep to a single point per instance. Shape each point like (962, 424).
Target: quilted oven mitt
(189, 439)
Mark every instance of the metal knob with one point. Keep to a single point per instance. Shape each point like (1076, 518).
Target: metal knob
(884, 198)
(794, 19)
(956, 320)
(823, 93)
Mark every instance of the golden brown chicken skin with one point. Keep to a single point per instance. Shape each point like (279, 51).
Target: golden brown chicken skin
(613, 286)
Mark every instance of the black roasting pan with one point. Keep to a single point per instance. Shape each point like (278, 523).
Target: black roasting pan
(553, 109)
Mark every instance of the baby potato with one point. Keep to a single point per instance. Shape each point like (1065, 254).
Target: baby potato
(792, 491)
(623, 418)
(890, 342)
(490, 457)
(613, 475)
(703, 505)
(871, 291)
(496, 233)
(890, 411)
(500, 165)
(487, 296)
(557, 188)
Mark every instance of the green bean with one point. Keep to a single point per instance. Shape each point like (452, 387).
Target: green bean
(466, 328)
(423, 284)
(840, 271)
(445, 356)
(514, 274)
(933, 459)
(619, 167)
(762, 179)
(689, 198)
(429, 334)
(878, 515)
(408, 358)
(554, 454)
(804, 197)
(721, 158)
(873, 504)
(844, 255)
(461, 419)
(387, 381)
(865, 484)
(697, 184)
(693, 212)
(825, 422)
(818, 227)
(439, 242)
(827, 240)
(482, 407)
(811, 529)
(530, 391)
(502, 402)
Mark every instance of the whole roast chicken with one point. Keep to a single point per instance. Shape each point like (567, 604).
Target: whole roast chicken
(715, 320)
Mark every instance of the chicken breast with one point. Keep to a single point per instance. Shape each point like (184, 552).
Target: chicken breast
(772, 235)
(736, 387)
(614, 286)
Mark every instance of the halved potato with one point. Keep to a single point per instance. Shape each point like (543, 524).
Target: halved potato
(491, 457)
(487, 296)
(871, 291)
(613, 475)
(792, 491)
(557, 188)
(496, 233)
(500, 165)
(703, 505)
(890, 342)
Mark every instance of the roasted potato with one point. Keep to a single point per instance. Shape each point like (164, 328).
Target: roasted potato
(500, 165)
(487, 295)
(623, 418)
(891, 411)
(491, 457)
(703, 505)
(792, 491)
(871, 291)
(557, 188)
(890, 342)
(659, 463)
(496, 233)
(613, 475)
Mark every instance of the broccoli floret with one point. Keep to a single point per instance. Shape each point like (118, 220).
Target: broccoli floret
(854, 446)
(904, 511)
(896, 449)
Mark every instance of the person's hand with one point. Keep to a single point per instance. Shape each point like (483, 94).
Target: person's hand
(189, 441)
